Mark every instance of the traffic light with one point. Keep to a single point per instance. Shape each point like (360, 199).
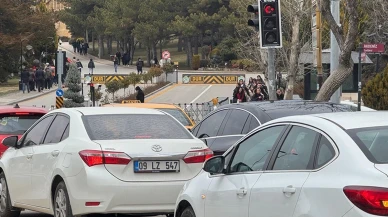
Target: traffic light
(256, 21)
(270, 24)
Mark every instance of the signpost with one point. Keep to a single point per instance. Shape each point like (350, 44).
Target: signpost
(60, 66)
(166, 55)
(374, 48)
(59, 92)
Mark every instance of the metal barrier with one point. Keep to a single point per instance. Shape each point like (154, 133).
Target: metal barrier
(197, 111)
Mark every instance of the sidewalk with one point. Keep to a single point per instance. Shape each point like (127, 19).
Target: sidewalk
(17, 97)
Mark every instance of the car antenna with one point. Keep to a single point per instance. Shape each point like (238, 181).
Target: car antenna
(16, 106)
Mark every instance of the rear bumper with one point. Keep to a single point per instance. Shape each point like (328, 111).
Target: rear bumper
(356, 212)
(116, 196)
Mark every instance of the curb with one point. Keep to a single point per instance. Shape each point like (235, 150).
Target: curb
(32, 97)
(158, 90)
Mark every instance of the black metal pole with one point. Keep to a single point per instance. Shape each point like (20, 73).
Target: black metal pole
(82, 88)
(377, 63)
(359, 77)
(93, 97)
(21, 60)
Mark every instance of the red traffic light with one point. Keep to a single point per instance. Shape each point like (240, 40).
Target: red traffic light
(269, 9)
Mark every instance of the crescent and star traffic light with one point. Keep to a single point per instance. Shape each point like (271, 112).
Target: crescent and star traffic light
(270, 24)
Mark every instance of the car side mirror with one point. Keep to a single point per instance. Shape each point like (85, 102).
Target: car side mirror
(10, 141)
(215, 165)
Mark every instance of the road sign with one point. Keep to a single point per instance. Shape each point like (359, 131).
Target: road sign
(374, 48)
(166, 55)
(59, 102)
(59, 92)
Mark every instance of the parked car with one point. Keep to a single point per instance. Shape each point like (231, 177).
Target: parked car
(355, 106)
(15, 120)
(313, 165)
(82, 161)
(229, 123)
(171, 109)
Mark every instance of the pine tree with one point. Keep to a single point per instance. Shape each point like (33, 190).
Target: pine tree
(73, 82)
(374, 94)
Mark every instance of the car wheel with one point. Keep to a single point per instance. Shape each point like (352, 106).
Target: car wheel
(6, 209)
(188, 212)
(62, 207)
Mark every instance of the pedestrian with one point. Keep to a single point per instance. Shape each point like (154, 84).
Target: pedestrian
(74, 44)
(86, 48)
(25, 80)
(279, 94)
(118, 55)
(31, 80)
(115, 63)
(139, 66)
(79, 65)
(140, 94)
(258, 96)
(241, 95)
(48, 78)
(91, 66)
(39, 75)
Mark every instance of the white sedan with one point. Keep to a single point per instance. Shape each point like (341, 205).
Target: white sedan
(324, 165)
(99, 160)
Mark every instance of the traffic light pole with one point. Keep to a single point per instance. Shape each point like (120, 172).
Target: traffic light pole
(271, 74)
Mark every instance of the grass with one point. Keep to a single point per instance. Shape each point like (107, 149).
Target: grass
(172, 47)
(11, 86)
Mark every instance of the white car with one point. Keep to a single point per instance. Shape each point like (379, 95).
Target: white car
(355, 106)
(99, 160)
(324, 165)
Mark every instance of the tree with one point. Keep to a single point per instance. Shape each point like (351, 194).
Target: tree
(73, 83)
(346, 42)
(125, 83)
(146, 77)
(374, 94)
(134, 79)
(155, 72)
(112, 87)
(168, 68)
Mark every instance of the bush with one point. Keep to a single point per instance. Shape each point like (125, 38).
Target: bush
(112, 87)
(155, 72)
(204, 63)
(196, 62)
(374, 94)
(146, 91)
(215, 52)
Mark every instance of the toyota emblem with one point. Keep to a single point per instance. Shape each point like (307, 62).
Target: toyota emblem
(156, 148)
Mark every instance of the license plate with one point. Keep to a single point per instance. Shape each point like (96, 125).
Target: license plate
(156, 166)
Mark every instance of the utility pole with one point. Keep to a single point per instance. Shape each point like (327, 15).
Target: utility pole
(319, 47)
(334, 48)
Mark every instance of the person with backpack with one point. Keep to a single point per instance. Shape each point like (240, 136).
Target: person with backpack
(115, 62)
(48, 78)
(79, 65)
(91, 66)
(39, 75)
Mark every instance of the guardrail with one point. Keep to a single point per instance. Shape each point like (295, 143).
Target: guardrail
(198, 111)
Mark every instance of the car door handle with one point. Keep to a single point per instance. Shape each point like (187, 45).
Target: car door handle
(29, 156)
(289, 190)
(55, 153)
(242, 192)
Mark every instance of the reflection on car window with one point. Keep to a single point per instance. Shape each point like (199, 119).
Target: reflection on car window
(374, 141)
(296, 150)
(235, 123)
(57, 128)
(179, 115)
(325, 152)
(15, 125)
(252, 153)
(35, 135)
(210, 126)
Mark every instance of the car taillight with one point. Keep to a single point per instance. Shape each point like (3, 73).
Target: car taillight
(198, 156)
(94, 157)
(373, 200)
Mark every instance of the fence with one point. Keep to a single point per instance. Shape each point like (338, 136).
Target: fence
(197, 111)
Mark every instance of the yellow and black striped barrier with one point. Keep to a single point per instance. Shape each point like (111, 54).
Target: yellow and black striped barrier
(103, 78)
(211, 79)
(59, 102)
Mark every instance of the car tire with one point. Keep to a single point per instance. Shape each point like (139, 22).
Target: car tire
(188, 212)
(61, 202)
(6, 209)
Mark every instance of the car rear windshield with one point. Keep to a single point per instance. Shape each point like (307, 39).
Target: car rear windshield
(133, 126)
(373, 142)
(179, 115)
(13, 124)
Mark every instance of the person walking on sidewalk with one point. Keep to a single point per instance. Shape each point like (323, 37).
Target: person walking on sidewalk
(118, 55)
(139, 66)
(115, 63)
(25, 80)
(31, 79)
(48, 78)
(40, 78)
(91, 66)
(79, 65)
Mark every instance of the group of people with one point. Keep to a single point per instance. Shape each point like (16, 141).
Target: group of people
(40, 78)
(255, 90)
(80, 47)
(123, 58)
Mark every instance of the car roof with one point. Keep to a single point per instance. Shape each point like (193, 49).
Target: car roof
(110, 110)
(22, 109)
(346, 120)
(143, 105)
(283, 108)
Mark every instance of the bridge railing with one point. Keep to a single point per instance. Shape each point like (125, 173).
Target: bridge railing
(197, 111)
